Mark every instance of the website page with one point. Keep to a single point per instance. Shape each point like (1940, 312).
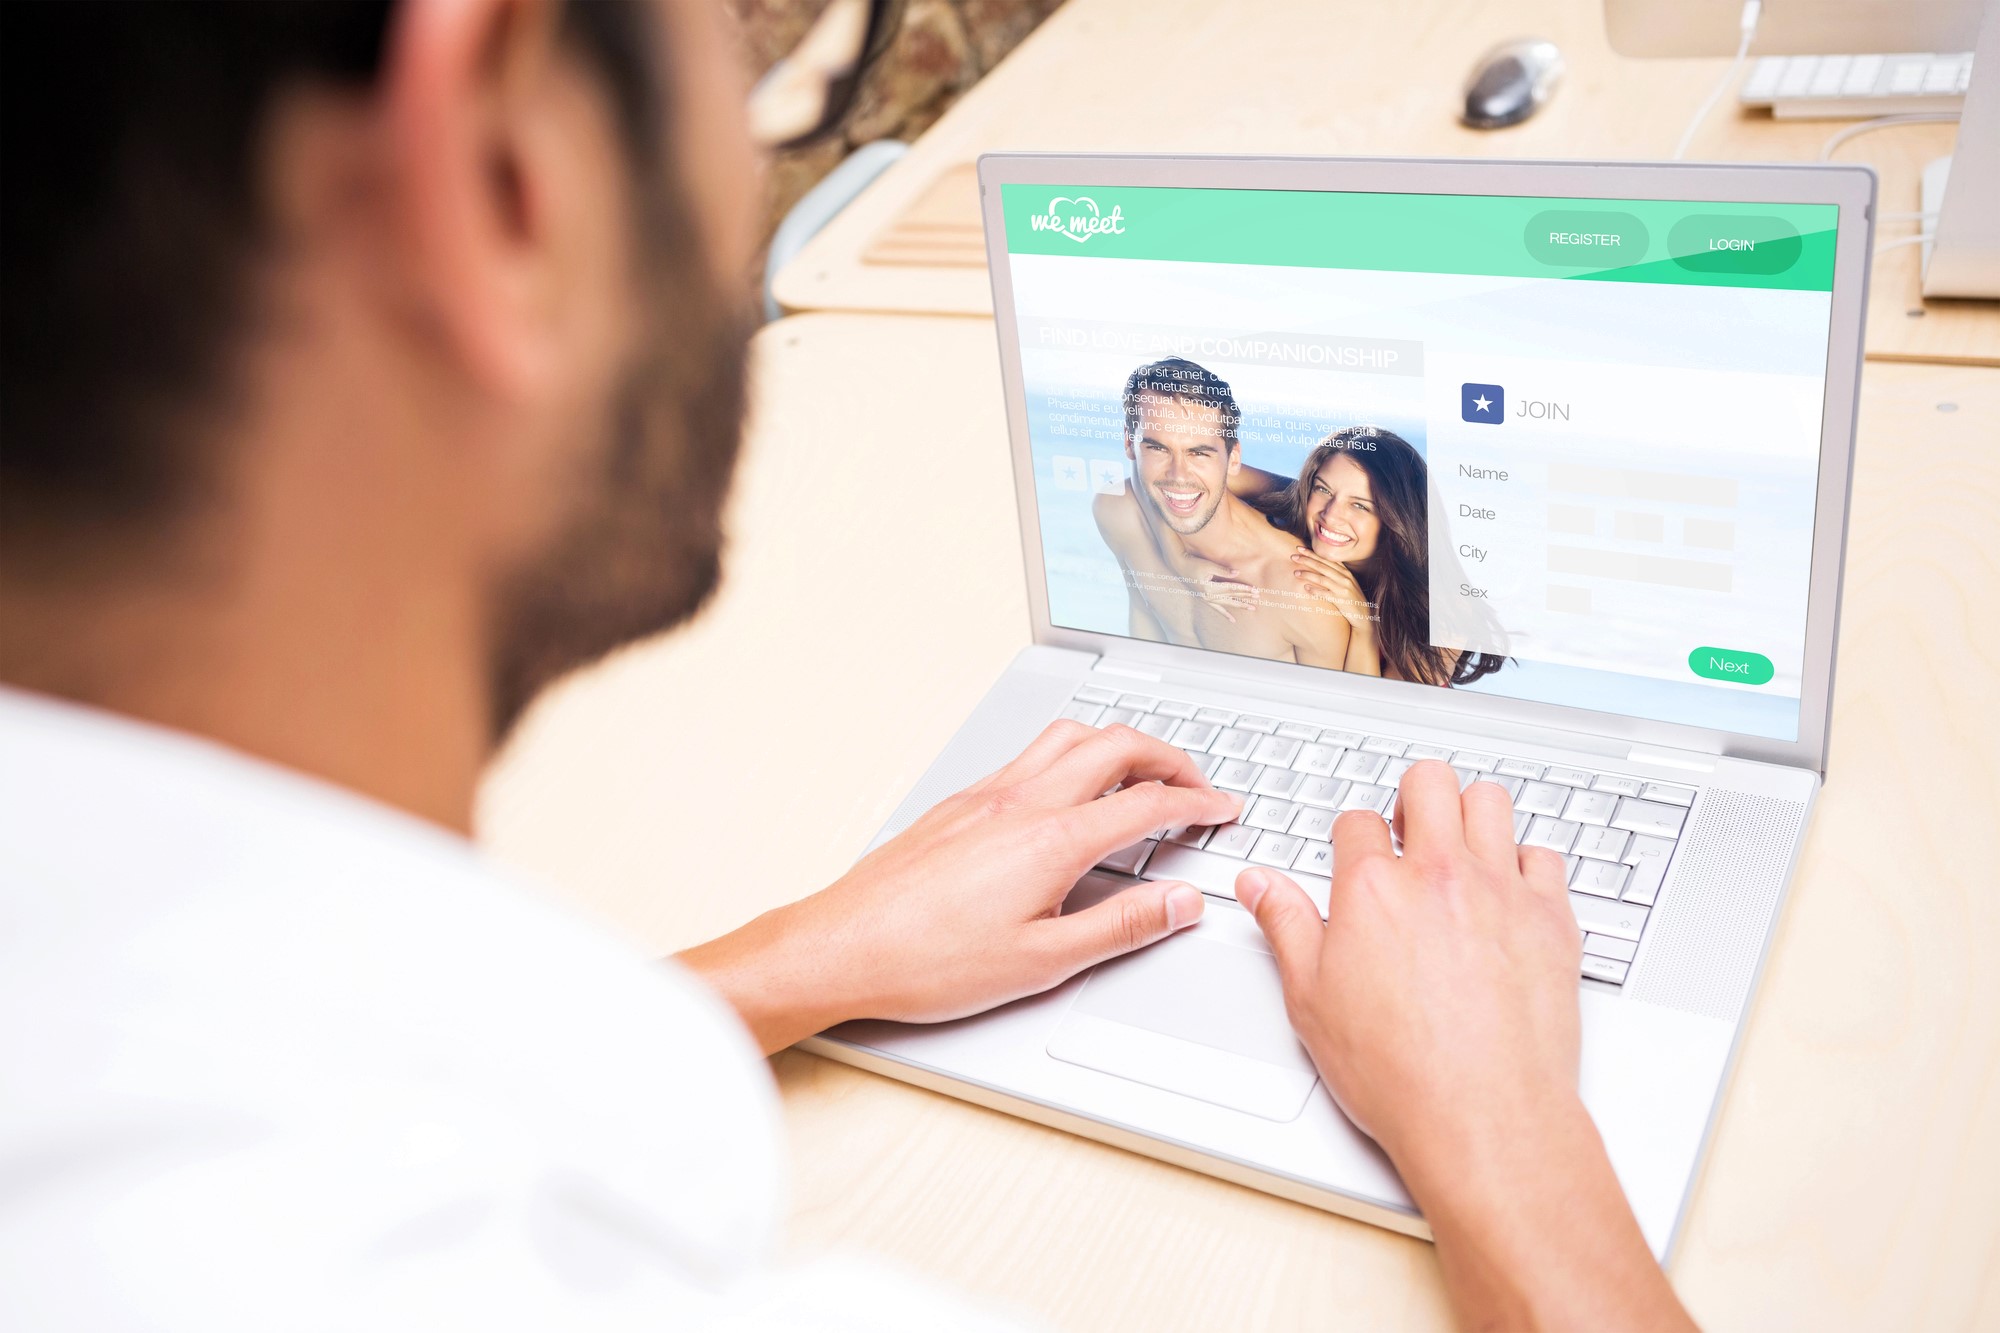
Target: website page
(1563, 450)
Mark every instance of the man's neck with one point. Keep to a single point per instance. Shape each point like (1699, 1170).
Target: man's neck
(380, 705)
(1226, 539)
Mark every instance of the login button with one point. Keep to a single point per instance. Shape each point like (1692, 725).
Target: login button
(1734, 243)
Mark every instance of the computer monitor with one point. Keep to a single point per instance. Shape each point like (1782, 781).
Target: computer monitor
(1962, 191)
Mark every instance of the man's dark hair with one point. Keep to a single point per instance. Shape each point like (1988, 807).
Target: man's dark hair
(1185, 381)
(131, 223)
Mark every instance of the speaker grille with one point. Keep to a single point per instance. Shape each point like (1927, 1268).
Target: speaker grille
(1708, 934)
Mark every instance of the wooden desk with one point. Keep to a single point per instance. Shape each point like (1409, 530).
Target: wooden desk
(873, 595)
(1376, 80)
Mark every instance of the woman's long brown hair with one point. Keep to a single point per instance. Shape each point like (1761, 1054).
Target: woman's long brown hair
(1396, 578)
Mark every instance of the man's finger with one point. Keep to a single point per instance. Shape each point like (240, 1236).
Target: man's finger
(1433, 821)
(1115, 755)
(1288, 919)
(1358, 835)
(1489, 823)
(1127, 920)
(1144, 810)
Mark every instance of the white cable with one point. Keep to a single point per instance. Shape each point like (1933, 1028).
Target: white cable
(1752, 11)
(1907, 217)
(1918, 239)
(1883, 123)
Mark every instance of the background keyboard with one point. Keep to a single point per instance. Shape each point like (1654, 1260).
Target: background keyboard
(1857, 87)
(1616, 833)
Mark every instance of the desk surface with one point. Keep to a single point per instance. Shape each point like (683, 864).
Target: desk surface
(1376, 80)
(1850, 1184)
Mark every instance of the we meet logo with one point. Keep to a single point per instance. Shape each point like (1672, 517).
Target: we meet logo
(1482, 402)
(1078, 218)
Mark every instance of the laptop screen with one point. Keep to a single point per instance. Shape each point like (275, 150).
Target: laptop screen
(1554, 449)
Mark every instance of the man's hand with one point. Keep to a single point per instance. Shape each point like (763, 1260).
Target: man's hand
(961, 912)
(1439, 1001)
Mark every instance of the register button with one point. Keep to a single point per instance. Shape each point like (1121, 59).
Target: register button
(1578, 238)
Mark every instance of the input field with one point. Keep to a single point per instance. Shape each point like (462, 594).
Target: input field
(1620, 483)
(1662, 571)
(1572, 520)
(1715, 534)
(1627, 526)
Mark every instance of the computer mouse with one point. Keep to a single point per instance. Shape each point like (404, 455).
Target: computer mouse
(1511, 82)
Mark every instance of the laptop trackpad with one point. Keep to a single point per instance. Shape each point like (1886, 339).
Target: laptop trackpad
(1195, 1014)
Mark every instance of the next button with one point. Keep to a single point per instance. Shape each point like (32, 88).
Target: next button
(1731, 664)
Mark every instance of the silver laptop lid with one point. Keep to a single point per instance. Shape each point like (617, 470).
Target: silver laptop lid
(1556, 443)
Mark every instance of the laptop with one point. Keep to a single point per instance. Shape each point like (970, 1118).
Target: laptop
(1570, 445)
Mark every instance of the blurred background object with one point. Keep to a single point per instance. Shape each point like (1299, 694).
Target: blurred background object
(942, 48)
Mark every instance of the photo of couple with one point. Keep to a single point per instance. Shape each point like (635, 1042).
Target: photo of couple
(1329, 568)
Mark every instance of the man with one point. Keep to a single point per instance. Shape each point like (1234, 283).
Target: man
(1201, 566)
(366, 367)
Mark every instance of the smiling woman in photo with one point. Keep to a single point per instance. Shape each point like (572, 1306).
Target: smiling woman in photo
(1359, 507)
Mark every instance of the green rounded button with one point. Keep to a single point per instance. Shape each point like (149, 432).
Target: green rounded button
(1574, 238)
(1731, 664)
(1734, 243)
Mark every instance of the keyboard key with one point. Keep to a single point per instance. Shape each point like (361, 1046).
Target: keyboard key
(1605, 969)
(1114, 716)
(1298, 731)
(1279, 782)
(1473, 759)
(1906, 76)
(1652, 818)
(1230, 840)
(1383, 745)
(1521, 821)
(1520, 768)
(1541, 798)
(1127, 860)
(1216, 874)
(1392, 772)
(1317, 760)
(1138, 703)
(1234, 743)
(1666, 791)
(1648, 858)
(1555, 834)
(1605, 946)
(1763, 80)
(1326, 793)
(1861, 76)
(1175, 708)
(1568, 777)
(1196, 735)
(1158, 725)
(1424, 750)
(1466, 776)
(1251, 722)
(1826, 80)
(1280, 750)
(1196, 835)
(1590, 807)
(1236, 775)
(1096, 694)
(1512, 786)
(1271, 813)
(1221, 717)
(1314, 823)
(1604, 879)
(1080, 711)
(1601, 916)
(1207, 763)
(1612, 782)
(1346, 740)
(1315, 859)
(1358, 766)
(1603, 844)
(1366, 796)
(1277, 849)
(1797, 76)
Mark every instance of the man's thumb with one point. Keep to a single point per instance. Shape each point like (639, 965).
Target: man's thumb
(1286, 916)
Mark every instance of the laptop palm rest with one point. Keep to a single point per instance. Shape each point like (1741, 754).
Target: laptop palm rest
(1200, 1014)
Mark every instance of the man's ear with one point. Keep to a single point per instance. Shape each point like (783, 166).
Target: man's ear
(1132, 438)
(1235, 460)
(485, 153)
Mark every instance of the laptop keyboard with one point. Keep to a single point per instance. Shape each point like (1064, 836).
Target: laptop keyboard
(1616, 833)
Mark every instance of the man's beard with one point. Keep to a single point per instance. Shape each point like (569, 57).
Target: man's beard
(1183, 527)
(643, 550)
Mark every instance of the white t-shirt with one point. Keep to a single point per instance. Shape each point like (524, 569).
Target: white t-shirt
(276, 1056)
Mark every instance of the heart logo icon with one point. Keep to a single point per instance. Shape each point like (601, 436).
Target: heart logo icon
(1077, 230)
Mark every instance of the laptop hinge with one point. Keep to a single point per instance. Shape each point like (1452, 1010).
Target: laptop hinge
(1684, 759)
(1106, 667)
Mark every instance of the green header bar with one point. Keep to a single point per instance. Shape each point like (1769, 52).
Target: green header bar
(1608, 240)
